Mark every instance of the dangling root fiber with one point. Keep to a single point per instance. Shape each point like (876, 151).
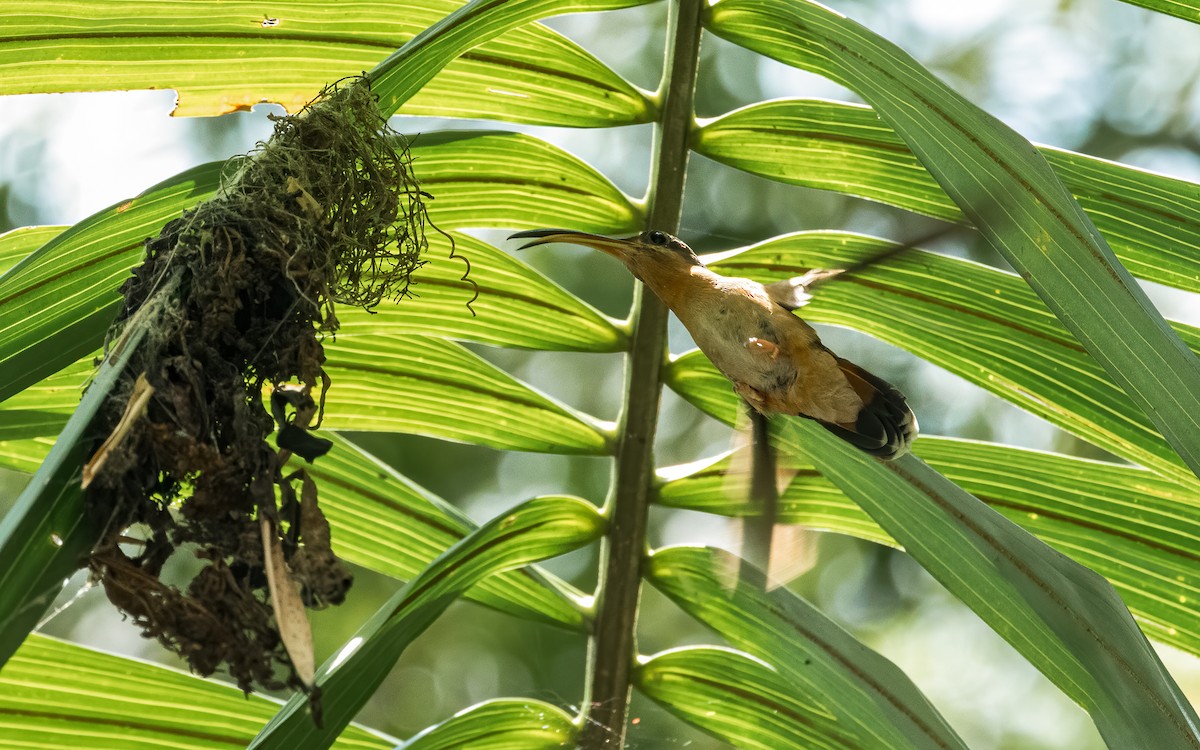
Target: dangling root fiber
(325, 212)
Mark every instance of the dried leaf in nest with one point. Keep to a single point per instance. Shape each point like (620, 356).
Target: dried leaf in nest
(142, 391)
(290, 616)
(237, 294)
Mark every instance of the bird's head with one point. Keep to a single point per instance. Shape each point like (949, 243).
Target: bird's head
(655, 257)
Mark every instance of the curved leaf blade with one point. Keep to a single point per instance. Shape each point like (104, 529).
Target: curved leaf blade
(1151, 221)
(42, 409)
(485, 178)
(57, 303)
(24, 455)
(867, 696)
(516, 307)
(501, 724)
(739, 699)
(1188, 10)
(1127, 524)
(428, 386)
(1007, 190)
(16, 244)
(386, 382)
(1136, 529)
(398, 78)
(386, 523)
(1065, 619)
(226, 56)
(536, 530)
(55, 694)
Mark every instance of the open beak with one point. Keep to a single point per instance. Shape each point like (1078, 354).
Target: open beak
(617, 248)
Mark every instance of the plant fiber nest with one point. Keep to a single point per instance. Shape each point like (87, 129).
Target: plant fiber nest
(237, 295)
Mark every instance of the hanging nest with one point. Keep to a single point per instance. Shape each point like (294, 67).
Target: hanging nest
(237, 295)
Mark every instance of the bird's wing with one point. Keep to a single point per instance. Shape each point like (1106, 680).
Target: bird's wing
(821, 390)
(796, 292)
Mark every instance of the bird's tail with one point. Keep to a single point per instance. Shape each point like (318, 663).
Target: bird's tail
(885, 427)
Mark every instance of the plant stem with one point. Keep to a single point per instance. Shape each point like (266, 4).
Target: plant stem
(758, 531)
(614, 642)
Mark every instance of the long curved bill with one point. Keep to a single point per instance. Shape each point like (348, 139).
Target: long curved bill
(615, 247)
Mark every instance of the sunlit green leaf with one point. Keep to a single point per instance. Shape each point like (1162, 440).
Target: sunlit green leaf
(398, 78)
(18, 243)
(24, 455)
(428, 386)
(537, 529)
(386, 523)
(516, 306)
(41, 410)
(225, 56)
(503, 724)
(1151, 221)
(1188, 10)
(383, 382)
(1133, 527)
(1065, 619)
(1006, 189)
(740, 699)
(60, 696)
(482, 178)
(862, 694)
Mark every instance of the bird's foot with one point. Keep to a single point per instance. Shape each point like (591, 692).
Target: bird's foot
(752, 395)
(762, 346)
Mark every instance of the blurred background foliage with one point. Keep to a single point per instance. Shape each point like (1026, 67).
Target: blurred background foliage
(1095, 76)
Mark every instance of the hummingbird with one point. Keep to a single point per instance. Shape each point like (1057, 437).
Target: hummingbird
(775, 360)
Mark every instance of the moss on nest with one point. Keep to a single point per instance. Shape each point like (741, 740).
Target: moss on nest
(238, 293)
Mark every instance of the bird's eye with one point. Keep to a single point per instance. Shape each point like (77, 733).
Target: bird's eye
(657, 238)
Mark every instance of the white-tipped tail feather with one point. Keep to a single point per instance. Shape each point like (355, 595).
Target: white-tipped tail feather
(885, 427)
